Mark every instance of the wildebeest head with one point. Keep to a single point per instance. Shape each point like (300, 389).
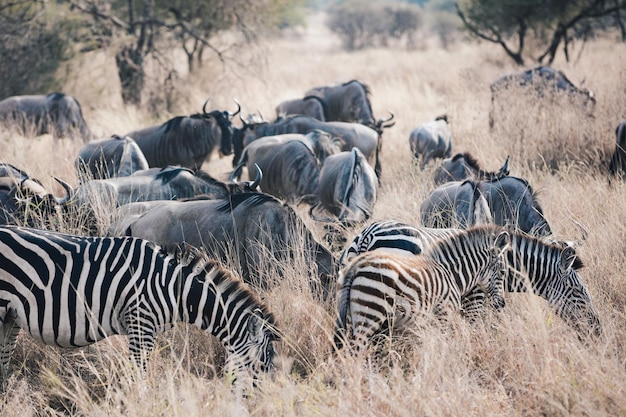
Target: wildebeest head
(23, 200)
(223, 119)
(348, 188)
(464, 165)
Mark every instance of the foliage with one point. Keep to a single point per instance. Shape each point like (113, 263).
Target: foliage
(552, 23)
(33, 44)
(362, 24)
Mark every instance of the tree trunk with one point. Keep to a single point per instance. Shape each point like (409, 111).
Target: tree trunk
(130, 70)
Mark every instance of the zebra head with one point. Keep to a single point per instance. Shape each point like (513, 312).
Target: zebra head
(568, 295)
(254, 353)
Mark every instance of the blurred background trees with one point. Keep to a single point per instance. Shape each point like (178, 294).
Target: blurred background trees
(148, 37)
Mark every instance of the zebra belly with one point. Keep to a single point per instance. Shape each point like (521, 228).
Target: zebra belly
(63, 328)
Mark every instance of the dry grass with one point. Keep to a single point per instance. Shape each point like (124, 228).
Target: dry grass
(523, 362)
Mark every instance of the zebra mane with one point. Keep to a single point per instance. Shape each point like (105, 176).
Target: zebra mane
(474, 234)
(249, 199)
(550, 246)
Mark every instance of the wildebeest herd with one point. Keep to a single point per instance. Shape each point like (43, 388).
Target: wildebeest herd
(483, 232)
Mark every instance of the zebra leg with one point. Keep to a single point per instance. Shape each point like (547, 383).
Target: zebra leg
(8, 338)
(141, 335)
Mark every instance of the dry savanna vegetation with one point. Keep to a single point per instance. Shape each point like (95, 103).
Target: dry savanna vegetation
(523, 361)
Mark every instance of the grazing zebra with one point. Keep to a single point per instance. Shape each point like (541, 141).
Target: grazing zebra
(72, 291)
(550, 268)
(379, 290)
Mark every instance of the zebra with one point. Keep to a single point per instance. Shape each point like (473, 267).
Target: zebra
(551, 269)
(383, 290)
(72, 291)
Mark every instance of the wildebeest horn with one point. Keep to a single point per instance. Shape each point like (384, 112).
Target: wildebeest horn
(204, 105)
(259, 177)
(238, 108)
(68, 192)
(505, 167)
(380, 122)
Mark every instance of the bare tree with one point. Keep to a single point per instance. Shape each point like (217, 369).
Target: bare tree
(558, 22)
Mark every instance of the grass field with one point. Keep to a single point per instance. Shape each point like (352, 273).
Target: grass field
(522, 362)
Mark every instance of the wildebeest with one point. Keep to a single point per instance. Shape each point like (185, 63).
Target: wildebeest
(109, 157)
(348, 188)
(617, 166)
(186, 140)
(245, 228)
(311, 106)
(349, 135)
(510, 200)
(24, 200)
(464, 165)
(545, 82)
(431, 140)
(170, 183)
(56, 113)
(290, 169)
(348, 102)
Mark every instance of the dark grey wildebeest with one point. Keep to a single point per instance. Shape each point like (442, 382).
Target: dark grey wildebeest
(464, 165)
(617, 166)
(348, 188)
(431, 140)
(24, 200)
(510, 200)
(170, 183)
(186, 140)
(109, 157)
(56, 113)
(248, 229)
(312, 106)
(349, 102)
(545, 82)
(348, 135)
(290, 169)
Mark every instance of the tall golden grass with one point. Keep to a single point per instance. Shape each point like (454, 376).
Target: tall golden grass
(522, 362)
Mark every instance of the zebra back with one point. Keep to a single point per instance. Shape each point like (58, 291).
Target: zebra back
(379, 288)
(72, 291)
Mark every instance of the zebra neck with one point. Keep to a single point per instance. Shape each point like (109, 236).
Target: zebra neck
(530, 265)
(200, 300)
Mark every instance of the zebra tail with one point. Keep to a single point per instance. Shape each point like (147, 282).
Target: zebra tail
(343, 305)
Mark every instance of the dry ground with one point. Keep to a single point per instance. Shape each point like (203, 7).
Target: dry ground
(523, 362)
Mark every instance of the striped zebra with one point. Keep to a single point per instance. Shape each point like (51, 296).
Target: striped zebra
(382, 290)
(551, 269)
(72, 291)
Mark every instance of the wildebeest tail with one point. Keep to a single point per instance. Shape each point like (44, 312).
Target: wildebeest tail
(352, 179)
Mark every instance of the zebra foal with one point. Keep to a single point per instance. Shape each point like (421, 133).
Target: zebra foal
(550, 268)
(378, 289)
(72, 291)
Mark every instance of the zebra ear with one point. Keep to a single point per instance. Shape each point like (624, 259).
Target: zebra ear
(255, 324)
(503, 240)
(568, 257)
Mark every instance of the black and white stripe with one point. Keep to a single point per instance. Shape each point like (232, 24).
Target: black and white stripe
(72, 291)
(550, 268)
(379, 289)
